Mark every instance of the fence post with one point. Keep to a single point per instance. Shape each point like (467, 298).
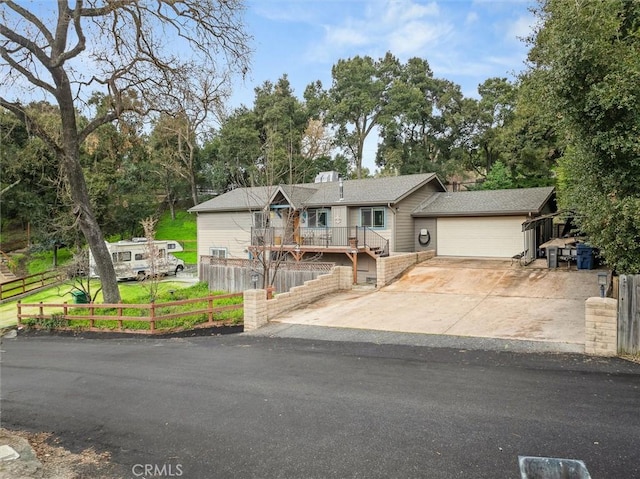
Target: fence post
(120, 315)
(41, 310)
(152, 321)
(91, 313)
(629, 314)
(19, 305)
(210, 309)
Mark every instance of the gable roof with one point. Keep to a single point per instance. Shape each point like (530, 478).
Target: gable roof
(368, 191)
(486, 202)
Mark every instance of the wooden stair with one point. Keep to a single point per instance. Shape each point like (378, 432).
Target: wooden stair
(5, 273)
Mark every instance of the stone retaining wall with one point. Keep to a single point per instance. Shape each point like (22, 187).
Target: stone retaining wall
(391, 267)
(601, 327)
(258, 311)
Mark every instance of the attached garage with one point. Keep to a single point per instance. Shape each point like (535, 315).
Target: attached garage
(485, 223)
(492, 236)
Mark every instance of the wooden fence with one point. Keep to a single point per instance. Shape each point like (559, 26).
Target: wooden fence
(16, 287)
(235, 274)
(629, 314)
(59, 316)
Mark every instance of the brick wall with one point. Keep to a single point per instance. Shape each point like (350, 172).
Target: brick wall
(601, 327)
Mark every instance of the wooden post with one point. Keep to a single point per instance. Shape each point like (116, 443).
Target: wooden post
(41, 310)
(19, 312)
(152, 321)
(91, 313)
(120, 315)
(629, 314)
(210, 309)
(355, 267)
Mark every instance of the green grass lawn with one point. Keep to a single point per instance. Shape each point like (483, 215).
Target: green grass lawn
(132, 293)
(182, 229)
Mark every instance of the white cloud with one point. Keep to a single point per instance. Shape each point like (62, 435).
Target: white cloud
(404, 27)
(521, 28)
(345, 36)
(400, 11)
(472, 17)
(414, 37)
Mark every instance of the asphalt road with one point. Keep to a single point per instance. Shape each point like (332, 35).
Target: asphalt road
(247, 406)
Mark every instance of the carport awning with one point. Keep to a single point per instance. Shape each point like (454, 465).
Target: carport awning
(532, 223)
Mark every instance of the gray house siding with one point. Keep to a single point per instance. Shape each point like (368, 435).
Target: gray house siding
(430, 224)
(386, 232)
(405, 229)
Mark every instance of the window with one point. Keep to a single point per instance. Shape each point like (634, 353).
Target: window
(372, 217)
(218, 252)
(260, 219)
(121, 256)
(318, 218)
(139, 257)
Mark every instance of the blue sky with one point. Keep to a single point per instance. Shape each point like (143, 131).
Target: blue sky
(465, 41)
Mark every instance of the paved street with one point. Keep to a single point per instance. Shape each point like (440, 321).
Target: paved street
(255, 406)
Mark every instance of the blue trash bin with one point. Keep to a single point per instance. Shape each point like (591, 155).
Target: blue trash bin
(585, 256)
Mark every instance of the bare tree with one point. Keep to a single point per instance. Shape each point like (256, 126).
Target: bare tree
(136, 52)
(193, 106)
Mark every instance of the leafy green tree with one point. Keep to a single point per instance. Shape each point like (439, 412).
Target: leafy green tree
(124, 52)
(32, 193)
(357, 100)
(282, 120)
(417, 125)
(498, 178)
(532, 145)
(585, 55)
(482, 123)
(231, 155)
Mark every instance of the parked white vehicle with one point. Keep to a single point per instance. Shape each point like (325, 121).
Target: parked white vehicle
(139, 258)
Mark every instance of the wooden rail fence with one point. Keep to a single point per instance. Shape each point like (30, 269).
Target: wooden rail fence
(16, 287)
(151, 313)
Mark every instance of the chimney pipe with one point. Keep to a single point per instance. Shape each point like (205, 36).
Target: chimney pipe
(341, 187)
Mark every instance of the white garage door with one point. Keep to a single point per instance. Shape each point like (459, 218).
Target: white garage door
(491, 236)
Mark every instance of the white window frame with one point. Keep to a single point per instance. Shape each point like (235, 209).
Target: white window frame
(260, 219)
(217, 252)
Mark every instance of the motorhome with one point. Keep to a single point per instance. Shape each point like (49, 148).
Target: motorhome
(139, 258)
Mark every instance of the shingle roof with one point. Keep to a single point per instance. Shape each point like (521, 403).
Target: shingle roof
(486, 202)
(369, 191)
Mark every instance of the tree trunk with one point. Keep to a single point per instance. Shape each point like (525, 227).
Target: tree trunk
(80, 194)
(192, 176)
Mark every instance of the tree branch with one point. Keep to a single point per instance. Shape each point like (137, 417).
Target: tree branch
(30, 17)
(17, 109)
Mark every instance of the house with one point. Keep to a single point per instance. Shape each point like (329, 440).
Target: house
(353, 222)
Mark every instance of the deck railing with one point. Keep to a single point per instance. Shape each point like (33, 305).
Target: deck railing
(323, 237)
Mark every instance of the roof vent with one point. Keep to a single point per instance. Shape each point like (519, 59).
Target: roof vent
(327, 176)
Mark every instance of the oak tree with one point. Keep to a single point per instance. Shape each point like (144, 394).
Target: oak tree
(136, 53)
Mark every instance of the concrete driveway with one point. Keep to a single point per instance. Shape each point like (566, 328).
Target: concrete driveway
(466, 297)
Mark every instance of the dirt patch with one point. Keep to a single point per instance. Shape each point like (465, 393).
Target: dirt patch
(42, 457)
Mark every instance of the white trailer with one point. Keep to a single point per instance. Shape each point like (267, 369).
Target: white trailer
(140, 258)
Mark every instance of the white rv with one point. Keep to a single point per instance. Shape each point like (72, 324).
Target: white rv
(139, 258)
